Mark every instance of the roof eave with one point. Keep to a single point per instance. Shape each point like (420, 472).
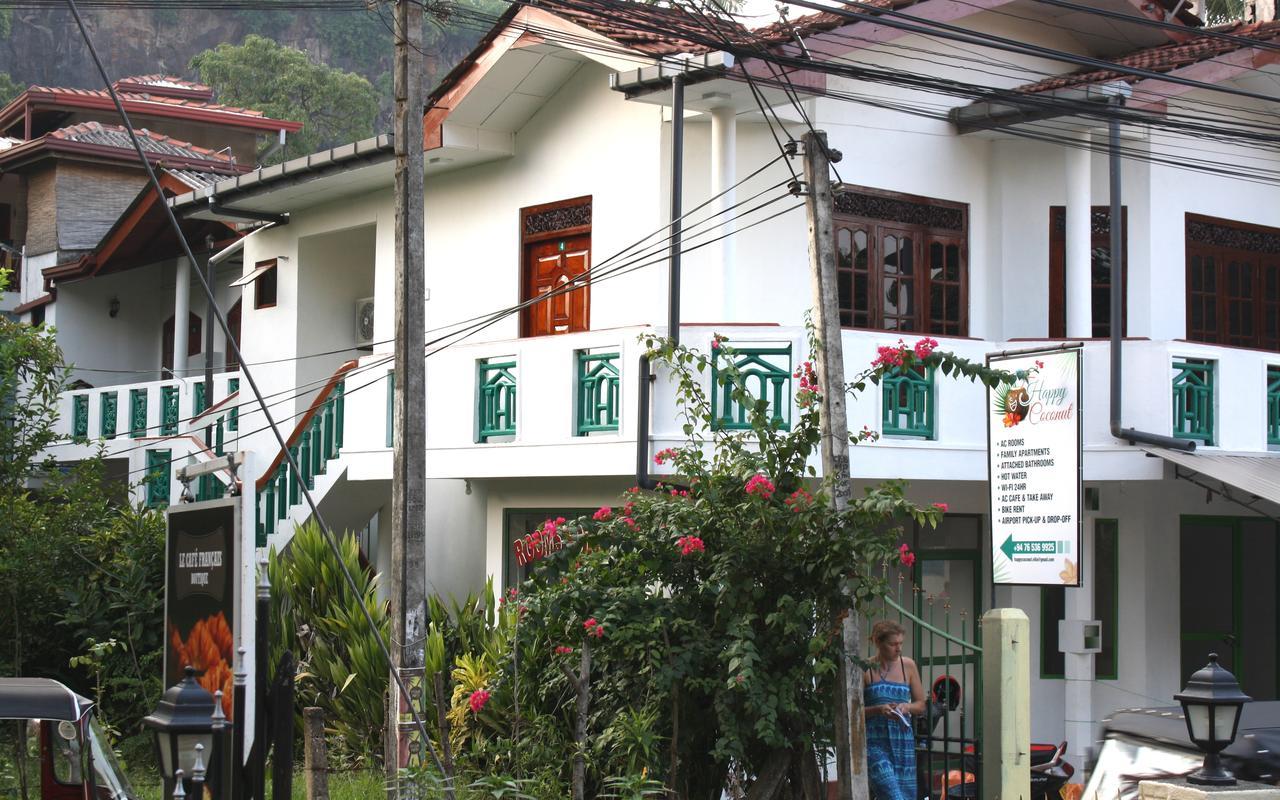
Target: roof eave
(1020, 108)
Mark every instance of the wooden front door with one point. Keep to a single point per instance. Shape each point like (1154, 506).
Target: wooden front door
(548, 265)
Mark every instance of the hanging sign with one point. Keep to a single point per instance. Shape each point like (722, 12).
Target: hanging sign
(202, 583)
(1033, 463)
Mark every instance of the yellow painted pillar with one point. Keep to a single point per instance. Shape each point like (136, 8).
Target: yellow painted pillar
(1006, 713)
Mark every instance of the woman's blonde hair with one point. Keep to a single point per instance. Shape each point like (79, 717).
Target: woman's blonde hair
(884, 629)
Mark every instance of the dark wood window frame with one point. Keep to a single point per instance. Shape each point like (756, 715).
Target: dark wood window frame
(266, 286)
(1100, 244)
(927, 270)
(1233, 283)
(562, 219)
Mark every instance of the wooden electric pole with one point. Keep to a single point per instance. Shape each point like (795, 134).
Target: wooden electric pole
(408, 511)
(851, 726)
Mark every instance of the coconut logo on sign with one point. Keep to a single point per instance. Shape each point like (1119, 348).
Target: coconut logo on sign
(1034, 468)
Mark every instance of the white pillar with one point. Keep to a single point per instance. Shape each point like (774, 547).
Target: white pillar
(1079, 667)
(724, 174)
(181, 311)
(1079, 240)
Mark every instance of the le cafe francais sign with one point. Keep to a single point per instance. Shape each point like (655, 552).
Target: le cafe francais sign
(1033, 461)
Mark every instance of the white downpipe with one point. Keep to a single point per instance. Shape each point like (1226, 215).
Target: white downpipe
(724, 173)
(181, 312)
(1079, 240)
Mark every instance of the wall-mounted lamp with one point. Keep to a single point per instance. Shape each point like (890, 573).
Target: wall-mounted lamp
(113, 307)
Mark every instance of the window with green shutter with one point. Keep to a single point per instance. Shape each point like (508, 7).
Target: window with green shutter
(497, 398)
(599, 392)
(908, 406)
(1193, 387)
(766, 376)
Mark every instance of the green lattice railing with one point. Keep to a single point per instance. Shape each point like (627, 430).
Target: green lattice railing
(198, 400)
(159, 477)
(233, 418)
(1273, 405)
(107, 405)
(80, 416)
(908, 407)
(1193, 387)
(137, 413)
(169, 412)
(497, 399)
(766, 375)
(599, 392)
(316, 441)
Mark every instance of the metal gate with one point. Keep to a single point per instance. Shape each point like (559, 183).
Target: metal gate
(943, 643)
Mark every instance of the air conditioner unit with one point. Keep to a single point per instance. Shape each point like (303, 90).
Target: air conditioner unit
(364, 323)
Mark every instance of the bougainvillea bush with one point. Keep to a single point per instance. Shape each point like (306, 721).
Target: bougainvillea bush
(688, 635)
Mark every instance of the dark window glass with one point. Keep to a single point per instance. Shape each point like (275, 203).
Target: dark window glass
(1106, 587)
(264, 289)
(1053, 607)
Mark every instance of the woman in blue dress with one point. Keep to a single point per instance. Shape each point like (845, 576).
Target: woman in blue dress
(893, 694)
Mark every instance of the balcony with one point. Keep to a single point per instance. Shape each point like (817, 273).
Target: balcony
(564, 406)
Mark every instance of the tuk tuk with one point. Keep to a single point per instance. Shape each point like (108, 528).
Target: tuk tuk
(1152, 743)
(51, 748)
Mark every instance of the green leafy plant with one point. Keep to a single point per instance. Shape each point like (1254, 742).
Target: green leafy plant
(340, 666)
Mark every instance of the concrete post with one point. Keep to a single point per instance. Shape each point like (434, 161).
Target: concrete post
(1079, 240)
(724, 155)
(181, 312)
(1006, 713)
(1079, 667)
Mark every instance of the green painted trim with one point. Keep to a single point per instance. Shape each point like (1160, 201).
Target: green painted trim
(1273, 404)
(80, 416)
(233, 418)
(169, 410)
(137, 413)
(599, 387)
(1044, 627)
(1193, 397)
(728, 415)
(1110, 630)
(914, 418)
(496, 384)
(158, 477)
(391, 409)
(108, 402)
(198, 401)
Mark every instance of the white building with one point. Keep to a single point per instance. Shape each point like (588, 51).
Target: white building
(548, 150)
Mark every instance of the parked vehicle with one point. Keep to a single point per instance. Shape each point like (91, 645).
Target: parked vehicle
(1148, 743)
(943, 773)
(51, 748)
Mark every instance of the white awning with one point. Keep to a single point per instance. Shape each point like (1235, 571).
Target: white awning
(1245, 479)
(252, 276)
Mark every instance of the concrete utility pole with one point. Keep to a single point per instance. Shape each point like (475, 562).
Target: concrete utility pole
(408, 511)
(851, 727)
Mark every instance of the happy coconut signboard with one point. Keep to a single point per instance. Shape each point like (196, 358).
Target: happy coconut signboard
(1033, 462)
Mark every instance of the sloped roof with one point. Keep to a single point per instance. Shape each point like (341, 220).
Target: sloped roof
(116, 136)
(1164, 58)
(649, 29)
(170, 85)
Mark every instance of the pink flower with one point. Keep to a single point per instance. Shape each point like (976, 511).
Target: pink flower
(924, 347)
(941, 507)
(602, 513)
(564, 651)
(599, 631)
(590, 623)
(629, 522)
(760, 485)
(690, 544)
(662, 456)
(628, 509)
(906, 556)
(1039, 364)
(715, 344)
(477, 700)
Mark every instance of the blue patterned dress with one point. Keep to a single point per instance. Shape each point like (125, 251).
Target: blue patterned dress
(891, 746)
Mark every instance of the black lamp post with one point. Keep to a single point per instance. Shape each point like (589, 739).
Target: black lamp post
(182, 724)
(1211, 704)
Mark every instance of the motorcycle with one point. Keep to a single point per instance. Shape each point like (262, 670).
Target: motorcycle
(953, 775)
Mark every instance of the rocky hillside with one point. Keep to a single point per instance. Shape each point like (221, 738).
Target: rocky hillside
(44, 46)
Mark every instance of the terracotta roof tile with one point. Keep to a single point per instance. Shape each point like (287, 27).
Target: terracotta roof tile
(1164, 58)
(164, 84)
(117, 136)
(654, 30)
(142, 97)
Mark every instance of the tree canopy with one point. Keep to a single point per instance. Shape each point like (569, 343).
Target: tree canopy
(335, 107)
